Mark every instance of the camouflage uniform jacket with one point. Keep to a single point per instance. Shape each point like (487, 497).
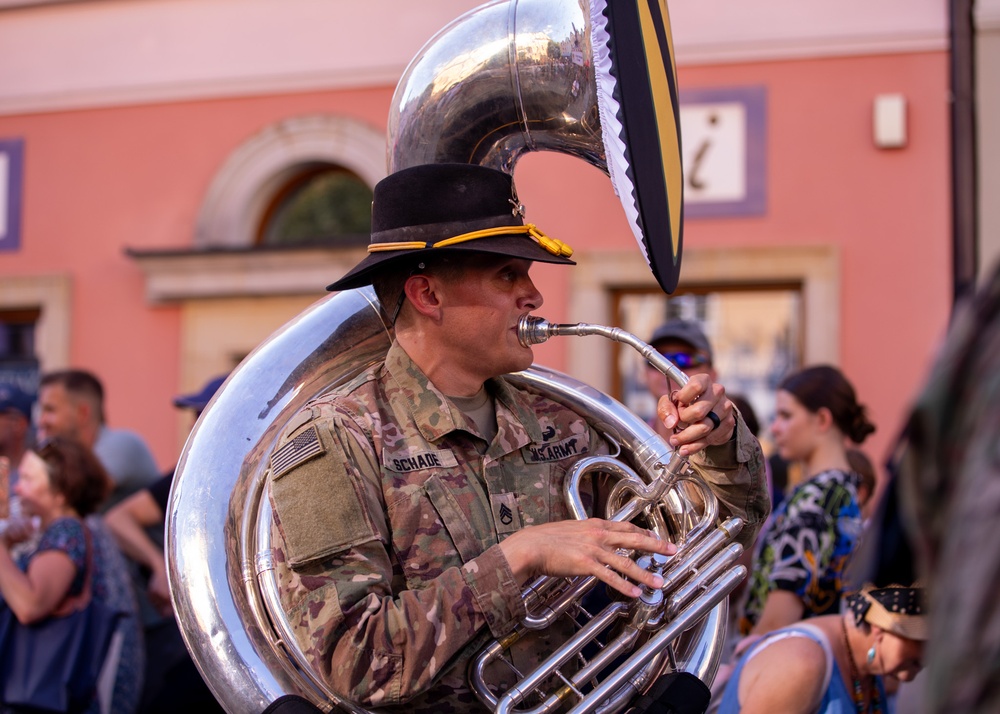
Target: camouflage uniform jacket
(389, 508)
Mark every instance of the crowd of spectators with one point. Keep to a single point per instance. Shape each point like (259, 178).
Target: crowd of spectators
(73, 489)
(75, 511)
(793, 615)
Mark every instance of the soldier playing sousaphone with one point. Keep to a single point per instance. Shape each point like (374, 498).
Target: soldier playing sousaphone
(412, 504)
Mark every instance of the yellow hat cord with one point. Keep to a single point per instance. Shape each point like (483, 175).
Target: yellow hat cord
(552, 245)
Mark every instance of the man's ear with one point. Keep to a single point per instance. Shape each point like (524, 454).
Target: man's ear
(423, 293)
(84, 409)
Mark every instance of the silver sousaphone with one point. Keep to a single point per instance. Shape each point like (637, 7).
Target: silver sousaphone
(595, 80)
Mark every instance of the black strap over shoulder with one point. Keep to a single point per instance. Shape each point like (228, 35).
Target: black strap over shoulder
(674, 693)
(291, 704)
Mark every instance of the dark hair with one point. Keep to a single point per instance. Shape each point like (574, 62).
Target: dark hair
(388, 285)
(76, 473)
(824, 386)
(81, 383)
(747, 412)
(391, 280)
(861, 465)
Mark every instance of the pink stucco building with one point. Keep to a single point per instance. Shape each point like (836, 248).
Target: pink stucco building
(146, 143)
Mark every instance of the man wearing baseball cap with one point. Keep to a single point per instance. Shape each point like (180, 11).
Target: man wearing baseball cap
(686, 333)
(412, 504)
(684, 343)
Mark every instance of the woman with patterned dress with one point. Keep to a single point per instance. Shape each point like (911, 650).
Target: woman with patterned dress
(60, 483)
(800, 568)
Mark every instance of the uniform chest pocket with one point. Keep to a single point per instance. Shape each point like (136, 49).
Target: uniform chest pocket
(434, 528)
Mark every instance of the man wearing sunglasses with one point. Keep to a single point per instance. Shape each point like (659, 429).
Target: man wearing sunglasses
(684, 343)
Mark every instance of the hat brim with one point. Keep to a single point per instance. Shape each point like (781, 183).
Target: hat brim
(200, 400)
(16, 409)
(511, 246)
(190, 403)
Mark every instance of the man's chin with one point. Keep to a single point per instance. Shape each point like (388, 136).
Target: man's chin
(516, 365)
(525, 360)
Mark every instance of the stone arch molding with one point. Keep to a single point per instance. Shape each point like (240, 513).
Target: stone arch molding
(243, 187)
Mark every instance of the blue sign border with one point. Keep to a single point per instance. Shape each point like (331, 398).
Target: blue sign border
(754, 101)
(10, 239)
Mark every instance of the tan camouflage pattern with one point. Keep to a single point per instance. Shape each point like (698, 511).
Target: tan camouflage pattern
(949, 489)
(735, 472)
(386, 542)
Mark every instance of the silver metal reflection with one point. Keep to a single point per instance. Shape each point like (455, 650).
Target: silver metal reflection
(510, 77)
(680, 626)
(506, 78)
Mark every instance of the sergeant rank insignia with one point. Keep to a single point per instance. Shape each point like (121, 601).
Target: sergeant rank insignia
(506, 512)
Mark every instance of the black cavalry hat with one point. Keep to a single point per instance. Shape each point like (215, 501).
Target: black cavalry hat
(433, 207)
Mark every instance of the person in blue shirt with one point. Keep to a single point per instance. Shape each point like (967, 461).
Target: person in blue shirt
(71, 405)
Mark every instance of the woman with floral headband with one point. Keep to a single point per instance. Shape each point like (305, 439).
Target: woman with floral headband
(833, 664)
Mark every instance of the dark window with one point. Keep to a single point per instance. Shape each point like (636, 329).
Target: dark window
(321, 205)
(18, 362)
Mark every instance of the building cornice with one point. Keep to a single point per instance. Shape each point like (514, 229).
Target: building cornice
(58, 56)
(178, 275)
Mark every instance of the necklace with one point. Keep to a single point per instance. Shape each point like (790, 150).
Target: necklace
(858, 693)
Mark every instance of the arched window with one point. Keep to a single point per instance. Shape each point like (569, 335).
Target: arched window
(303, 184)
(303, 181)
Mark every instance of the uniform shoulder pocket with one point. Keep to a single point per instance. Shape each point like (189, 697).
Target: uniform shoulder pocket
(317, 500)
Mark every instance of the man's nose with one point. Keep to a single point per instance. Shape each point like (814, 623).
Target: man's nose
(532, 299)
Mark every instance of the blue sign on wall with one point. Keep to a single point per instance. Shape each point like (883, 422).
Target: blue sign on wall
(11, 172)
(724, 132)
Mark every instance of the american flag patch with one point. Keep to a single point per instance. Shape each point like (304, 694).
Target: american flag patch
(297, 451)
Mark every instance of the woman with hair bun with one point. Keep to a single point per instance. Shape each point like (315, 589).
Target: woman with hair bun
(800, 569)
